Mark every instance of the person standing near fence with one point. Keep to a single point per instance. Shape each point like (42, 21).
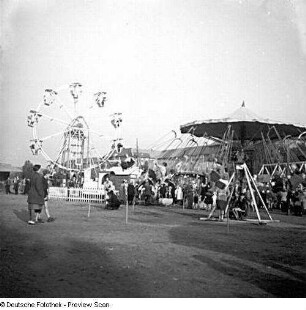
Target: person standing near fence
(36, 194)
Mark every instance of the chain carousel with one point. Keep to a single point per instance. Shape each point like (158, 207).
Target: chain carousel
(71, 130)
(284, 156)
(238, 132)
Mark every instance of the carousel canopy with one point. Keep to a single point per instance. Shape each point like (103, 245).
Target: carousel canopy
(247, 126)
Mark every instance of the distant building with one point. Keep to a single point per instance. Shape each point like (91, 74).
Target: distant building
(6, 169)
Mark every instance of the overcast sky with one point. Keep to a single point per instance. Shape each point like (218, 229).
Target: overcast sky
(162, 63)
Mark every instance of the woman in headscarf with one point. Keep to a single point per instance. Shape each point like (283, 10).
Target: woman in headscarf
(36, 197)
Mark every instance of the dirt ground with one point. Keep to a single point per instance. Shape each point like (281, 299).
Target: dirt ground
(160, 252)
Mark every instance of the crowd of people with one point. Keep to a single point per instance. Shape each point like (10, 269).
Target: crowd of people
(190, 191)
(16, 185)
(286, 194)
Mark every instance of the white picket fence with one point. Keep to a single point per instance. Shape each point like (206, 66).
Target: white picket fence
(77, 194)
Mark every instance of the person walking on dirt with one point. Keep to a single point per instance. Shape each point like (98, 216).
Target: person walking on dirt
(36, 194)
(45, 207)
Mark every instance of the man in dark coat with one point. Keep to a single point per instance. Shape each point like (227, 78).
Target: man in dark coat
(36, 194)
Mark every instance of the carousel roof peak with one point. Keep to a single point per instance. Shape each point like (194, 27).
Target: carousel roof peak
(246, 124)
(245, 114)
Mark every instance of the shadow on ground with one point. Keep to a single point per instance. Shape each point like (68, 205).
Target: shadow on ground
(69, 269)
(273, 284)
(22, 215)
(278, 249)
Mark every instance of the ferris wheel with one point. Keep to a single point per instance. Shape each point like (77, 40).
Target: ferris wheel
(71, 131)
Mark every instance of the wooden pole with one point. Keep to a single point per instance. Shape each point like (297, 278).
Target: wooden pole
(127, 212)
(251, 190)
(227, 206)
(262, 201)
(134, 201)
(137, 153)
(227, 221)
(88, 215)
(229, 183)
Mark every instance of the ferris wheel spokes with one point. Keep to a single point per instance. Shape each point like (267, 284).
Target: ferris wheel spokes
(51, 97)
(34, 117)
(52, 136)
(51, 118)
(75, 90)
(75, 150)
(61, 105)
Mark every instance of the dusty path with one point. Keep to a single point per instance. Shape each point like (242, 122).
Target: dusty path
(161, 252)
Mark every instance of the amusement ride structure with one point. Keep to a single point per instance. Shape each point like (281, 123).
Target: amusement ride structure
(244, 131)
(239, 138)
(64, 132)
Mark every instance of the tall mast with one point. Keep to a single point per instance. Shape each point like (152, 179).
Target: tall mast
(137, 152)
